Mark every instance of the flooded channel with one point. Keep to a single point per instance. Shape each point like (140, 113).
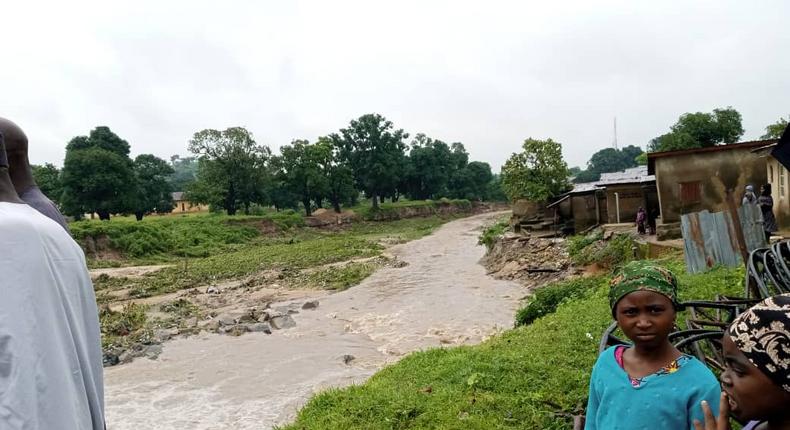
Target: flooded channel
(443, 297)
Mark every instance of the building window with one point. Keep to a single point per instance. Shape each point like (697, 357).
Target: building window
(781, 182)
(690, 192)
(771, 174)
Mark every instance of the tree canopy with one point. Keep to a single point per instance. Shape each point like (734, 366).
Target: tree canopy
(97, 175)
(609, 160)
(47, 178)
(374, 150)
(231, 169)
(153, 192)
(700, 130)
(775, 130)
(536, 173)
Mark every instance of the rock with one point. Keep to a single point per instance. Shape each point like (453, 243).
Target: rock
(312, 304)
(162, 335)
(286, 309)
(249, 317)
(399, 264)
(225, 329)
(191, 322)
(213, 290)
(110, 359)
(268, 314)
(282, 322)
(260, 327)
(153, 351)
(125, 357)
(348, 358)
(226, 320)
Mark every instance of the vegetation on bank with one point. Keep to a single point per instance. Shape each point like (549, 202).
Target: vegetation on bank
(533, 376)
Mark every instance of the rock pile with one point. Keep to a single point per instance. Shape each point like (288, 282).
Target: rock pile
(528, 259)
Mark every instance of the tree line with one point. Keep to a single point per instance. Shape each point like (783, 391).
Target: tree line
(230, 171)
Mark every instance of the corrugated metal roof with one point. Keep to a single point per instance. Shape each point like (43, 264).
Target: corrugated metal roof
(178, 195)
(628, 176)
(584, 187)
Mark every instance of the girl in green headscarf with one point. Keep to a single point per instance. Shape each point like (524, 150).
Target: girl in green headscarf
(649, 384)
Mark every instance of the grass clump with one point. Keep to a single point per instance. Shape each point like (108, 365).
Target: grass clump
(546, 299)
(610, 253)
(339, 278)
(122, 327)
(492, 232)
(529, 377)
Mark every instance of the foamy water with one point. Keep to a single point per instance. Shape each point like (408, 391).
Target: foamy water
(442, 298)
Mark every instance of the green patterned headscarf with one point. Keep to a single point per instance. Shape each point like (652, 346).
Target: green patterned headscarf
(642, 276)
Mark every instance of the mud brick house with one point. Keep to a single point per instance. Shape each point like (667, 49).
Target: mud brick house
(696, 179)
(182, 205)
(626, 192)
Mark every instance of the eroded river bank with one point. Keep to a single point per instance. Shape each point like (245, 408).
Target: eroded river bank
(441, 297)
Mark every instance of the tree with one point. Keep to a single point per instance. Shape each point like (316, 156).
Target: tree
(231, 169)
(300, 167)
(97, 175)
(184, 172)
(609, 160)
(374, 150)
(431, 164)
(47, 178)
(700, 130)
(536, 173)
(472, 181)
(494, 191)
(775, 130)
(152, 191)
(339, 176)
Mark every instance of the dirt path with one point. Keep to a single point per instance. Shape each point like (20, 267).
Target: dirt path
(256, 381)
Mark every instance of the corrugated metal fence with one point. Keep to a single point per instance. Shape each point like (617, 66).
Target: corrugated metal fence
(710, 238)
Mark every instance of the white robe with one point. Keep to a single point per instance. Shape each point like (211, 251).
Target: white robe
(51, 374)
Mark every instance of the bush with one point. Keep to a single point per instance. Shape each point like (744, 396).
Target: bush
(492, 232)
(577, 243)
(608, 254)
(546, 300)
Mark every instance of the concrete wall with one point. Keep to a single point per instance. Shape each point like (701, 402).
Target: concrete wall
(779, 180)
(716, 172)
(185, 206)
(631, 197)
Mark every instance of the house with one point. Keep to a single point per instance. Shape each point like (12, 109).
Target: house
(182, 205)
(692, 180)
(580, 208)
(626, 192)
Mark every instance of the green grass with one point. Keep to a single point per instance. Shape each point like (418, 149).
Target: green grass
(409, 208)
(291, 251)
(531, 377)
(492, 232)
(164, 238)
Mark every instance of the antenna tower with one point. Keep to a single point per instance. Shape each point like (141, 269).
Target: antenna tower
(615, 133)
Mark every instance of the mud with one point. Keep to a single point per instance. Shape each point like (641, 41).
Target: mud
(441, 297)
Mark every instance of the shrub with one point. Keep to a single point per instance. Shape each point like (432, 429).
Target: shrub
(546, 299)
(608, 254)
(492, 232)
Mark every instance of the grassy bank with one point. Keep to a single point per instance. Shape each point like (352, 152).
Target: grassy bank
(532, 377)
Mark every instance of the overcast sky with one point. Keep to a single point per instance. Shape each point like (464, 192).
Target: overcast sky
(488, 74)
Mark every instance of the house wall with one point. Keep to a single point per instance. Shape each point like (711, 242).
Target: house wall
(584, 211)
(778, 178)
(631, 197)
(714, 172)
(185, 206)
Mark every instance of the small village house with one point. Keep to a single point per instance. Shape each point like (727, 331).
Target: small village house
(626, 192)
(777, 158)
(182, 205)
(697, 179)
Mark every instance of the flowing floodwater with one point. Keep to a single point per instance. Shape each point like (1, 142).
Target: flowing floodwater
(442, 298)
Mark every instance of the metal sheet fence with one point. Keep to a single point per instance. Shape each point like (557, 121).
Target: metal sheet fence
(711, 239)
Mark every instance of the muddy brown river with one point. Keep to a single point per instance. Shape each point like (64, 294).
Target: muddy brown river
(256, 381)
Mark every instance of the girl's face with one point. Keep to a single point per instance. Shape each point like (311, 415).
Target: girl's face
(645, 317)
(751, 394)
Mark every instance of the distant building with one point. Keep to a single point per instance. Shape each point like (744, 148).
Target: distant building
(182, 205)
(626, 192)
(697, 179)
(777, 157)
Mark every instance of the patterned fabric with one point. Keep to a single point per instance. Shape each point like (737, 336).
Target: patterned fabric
(642, 276)
(672, 367)
(763, 335)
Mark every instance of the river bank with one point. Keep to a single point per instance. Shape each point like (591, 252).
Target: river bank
(440, 296)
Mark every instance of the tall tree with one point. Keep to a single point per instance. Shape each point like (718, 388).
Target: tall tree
(609, 160)
(374, 150)
(339, 176)
(153, 193)
(536, 173)
(231, 170)
(301, 168)
(431, 165)
(48, 179)
(472, 181)
(97, 175)
(700, 130)
(775, 130)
